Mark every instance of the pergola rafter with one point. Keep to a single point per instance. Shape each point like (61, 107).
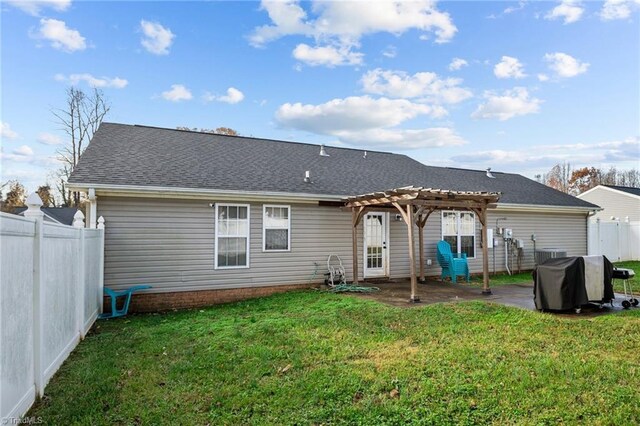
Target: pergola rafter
(415, 205)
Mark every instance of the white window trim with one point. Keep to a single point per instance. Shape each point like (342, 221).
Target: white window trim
(215, 254)
(264, 228)
(475, 231)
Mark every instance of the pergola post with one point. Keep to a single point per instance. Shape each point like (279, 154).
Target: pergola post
(485, 253)
(412, 261)
(421, 247)
(354, 239)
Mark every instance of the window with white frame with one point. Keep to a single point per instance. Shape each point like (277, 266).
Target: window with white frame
(276, 228)
(459, 230)
(232, 236)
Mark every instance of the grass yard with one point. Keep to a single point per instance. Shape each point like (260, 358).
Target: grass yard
(317, 358)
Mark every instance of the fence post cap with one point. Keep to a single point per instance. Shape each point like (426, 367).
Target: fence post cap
(78, 219)
(34, 201)
(33, 207)
(101, 222)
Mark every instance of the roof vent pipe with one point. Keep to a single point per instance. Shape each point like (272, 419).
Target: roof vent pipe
(307, 176)
(489, 175)
(323, 151)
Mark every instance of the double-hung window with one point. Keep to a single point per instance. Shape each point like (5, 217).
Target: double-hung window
(276, 228)
(459, 230)
(232, 236)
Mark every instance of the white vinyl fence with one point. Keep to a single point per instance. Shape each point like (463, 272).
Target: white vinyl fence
(616, 240)
(51, 280)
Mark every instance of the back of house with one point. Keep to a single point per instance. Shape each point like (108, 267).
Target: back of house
(206, 218)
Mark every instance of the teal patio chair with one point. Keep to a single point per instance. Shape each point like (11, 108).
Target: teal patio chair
(115, 313)
(452, 265)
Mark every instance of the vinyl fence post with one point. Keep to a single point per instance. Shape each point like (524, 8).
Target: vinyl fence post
(78, 223)
(33, 211)
(101, 273)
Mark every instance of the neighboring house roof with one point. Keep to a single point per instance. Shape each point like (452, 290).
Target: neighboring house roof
(619, 190)
(627, 189)
(63, 215)
(133, 155)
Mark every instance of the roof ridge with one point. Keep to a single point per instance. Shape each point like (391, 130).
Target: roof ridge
(254, 138)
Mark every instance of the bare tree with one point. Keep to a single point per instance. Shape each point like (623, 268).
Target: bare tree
(80, 118)
(562, 178)
(558, 177)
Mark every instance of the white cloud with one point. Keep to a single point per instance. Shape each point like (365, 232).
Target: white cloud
(6, 132)
(34, 7)
(367, 121)
(233, 96)
(457, 63)
(49, 139)
(569, 10)
(511, 104)
(521, 5)
(24, 151)
(545, 156)
(618, 9)
(75, 79)
(564, 65)
(425, 85)
(543, 77)
(177, 93)
(329, 56)
(434, 137)
(60, 36)
(509, 67)
(352, 113)
(340, 25)
(390, 52)
(157, 39)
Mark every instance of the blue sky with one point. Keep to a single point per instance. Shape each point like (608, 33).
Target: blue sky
(516, 86)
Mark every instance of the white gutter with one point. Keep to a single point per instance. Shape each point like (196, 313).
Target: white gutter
(226, 194)
(545, 208)
(197, 193)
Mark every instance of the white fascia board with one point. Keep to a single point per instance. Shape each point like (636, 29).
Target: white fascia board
(545, 208)
(616, 191)
(199, 193)
(237, 195)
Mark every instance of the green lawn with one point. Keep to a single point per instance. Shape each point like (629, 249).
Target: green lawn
(317, 358)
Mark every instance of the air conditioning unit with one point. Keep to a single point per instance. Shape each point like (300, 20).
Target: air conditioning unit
(549, 253)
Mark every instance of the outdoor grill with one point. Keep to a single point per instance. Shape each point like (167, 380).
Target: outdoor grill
(572, 282)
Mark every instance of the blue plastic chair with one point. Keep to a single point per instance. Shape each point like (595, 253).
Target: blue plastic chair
(452, 265)
(115, 313)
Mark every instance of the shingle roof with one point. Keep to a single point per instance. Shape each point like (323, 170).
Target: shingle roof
(627, 189)
(63, 215)
(121, 154)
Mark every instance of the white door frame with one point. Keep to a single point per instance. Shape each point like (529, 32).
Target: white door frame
(377, 272)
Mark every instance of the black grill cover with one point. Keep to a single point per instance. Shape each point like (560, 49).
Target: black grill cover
(559, 284)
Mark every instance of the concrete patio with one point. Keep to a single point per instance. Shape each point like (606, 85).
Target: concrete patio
(397, 292)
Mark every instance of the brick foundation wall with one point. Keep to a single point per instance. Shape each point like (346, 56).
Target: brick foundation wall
(157, 302)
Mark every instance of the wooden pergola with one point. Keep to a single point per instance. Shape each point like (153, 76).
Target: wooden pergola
(415, 204)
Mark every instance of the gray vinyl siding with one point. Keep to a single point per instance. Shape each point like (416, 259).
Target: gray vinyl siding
(169, 244)
(614, 203)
